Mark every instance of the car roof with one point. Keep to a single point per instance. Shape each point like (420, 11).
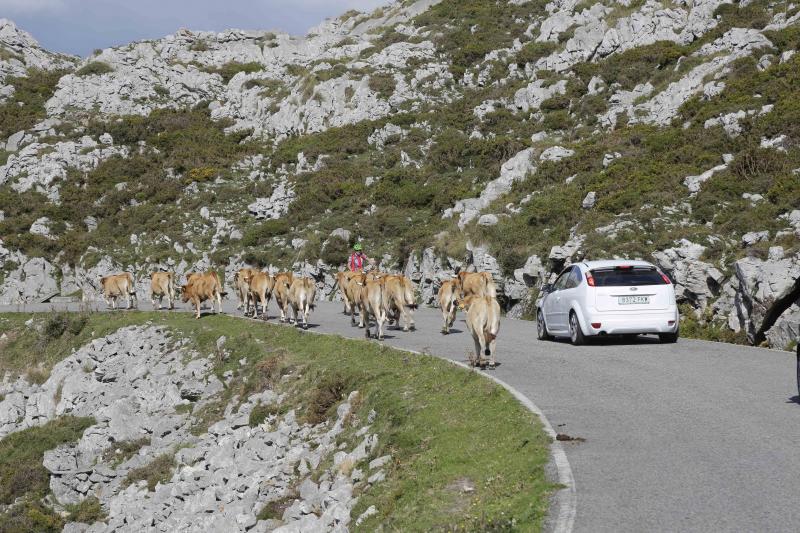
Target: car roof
(610, 263)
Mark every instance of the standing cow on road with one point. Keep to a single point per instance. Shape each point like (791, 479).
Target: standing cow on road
(202, 287)
(162, 284)
(448, 302)
(483, 321)
(118, 286)
(302, 295)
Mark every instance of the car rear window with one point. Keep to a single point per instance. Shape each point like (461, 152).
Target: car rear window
(622, 277)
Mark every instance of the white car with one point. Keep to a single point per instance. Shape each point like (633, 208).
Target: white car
(608, 298)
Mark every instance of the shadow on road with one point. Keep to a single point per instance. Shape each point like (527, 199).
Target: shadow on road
(794, 399)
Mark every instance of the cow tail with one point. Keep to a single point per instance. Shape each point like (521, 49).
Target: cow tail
(490, 287)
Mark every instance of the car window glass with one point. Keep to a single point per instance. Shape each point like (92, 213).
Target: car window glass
(561, 281)
(619, 277)
(574, 278)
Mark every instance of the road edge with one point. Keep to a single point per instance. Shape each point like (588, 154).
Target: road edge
(566, 497)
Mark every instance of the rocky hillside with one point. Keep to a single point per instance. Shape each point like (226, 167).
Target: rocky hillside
(157, 422)
(515, 136)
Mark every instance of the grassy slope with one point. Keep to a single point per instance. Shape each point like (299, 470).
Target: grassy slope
(442, 425)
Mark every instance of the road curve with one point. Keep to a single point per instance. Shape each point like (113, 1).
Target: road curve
(695, 436)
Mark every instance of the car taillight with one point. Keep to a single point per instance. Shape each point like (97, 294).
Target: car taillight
(666, 279)
(596, 325)
(589, 280)
(624, 267)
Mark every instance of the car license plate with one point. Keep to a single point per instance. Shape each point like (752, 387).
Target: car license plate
(629, 300)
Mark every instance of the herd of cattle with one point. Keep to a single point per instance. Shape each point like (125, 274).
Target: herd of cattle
(377, 297)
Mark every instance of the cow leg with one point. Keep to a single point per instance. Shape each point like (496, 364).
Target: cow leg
(446, 324)
(406, 319)
(171, 301)
(197, 309)
(492, 345)
(381, 324)
(478, 350)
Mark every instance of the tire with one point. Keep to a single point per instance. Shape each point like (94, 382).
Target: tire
(798, 371)
(541, 327)
(668, 338)
(575, 333)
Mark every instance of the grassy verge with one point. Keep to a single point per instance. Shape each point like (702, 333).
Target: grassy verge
(465, 455)
(23, 479)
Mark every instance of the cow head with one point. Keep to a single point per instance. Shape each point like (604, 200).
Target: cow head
(182, 290)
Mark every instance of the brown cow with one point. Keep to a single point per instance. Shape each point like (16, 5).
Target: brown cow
(399, 300)
(343, 280)
(448, 302)
(162, 284)
(283, 281)
(369, 298)
(118, 286)
(302, 295)
(483, 321)
(477, 284)
(260, 286)
(202, 287)
(242, 287)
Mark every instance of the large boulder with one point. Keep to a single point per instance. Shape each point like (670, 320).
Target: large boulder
(31, 282)
(696, 282)
(765, 289)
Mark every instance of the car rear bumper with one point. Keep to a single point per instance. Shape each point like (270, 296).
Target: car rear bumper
(621, 323)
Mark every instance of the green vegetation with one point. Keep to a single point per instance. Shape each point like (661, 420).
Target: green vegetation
(383, 84)
(159, 470)
(24, 481)
(470, 29)
(94, 68)
(34, 350)
(426, 420)
(21, 453)
(229, 70)
(120, 452)
(25, 107)
(88, 511)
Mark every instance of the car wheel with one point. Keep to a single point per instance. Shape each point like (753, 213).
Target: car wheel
(798, 371)
(668, 338)
(575, 332)
(541, 328)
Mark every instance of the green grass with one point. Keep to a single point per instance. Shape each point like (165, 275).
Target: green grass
(26, 107)
(443, 426)
(159, 470)
(94, 68)
(28, 350)
(21, 453)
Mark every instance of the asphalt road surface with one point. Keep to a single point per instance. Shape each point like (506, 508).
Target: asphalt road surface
(695, 436)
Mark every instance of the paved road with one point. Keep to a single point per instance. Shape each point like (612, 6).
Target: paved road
(696, 436)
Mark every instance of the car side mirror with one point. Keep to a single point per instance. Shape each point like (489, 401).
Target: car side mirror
(547, 288)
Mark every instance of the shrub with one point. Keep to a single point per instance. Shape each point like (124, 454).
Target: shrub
(336, 251)
(534, 51)
(636, 65)
(159, 470)
(59, 323)
(94, 68)
(260, 413)
(261, 234)
(383, 84)
(119, 452)
(25, 107)
(231, 69)
(328, 392)
(88, 511)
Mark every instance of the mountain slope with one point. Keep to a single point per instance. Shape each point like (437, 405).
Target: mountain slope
(515, 136)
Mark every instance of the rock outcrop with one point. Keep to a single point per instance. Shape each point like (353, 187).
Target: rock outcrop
(137, 383)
